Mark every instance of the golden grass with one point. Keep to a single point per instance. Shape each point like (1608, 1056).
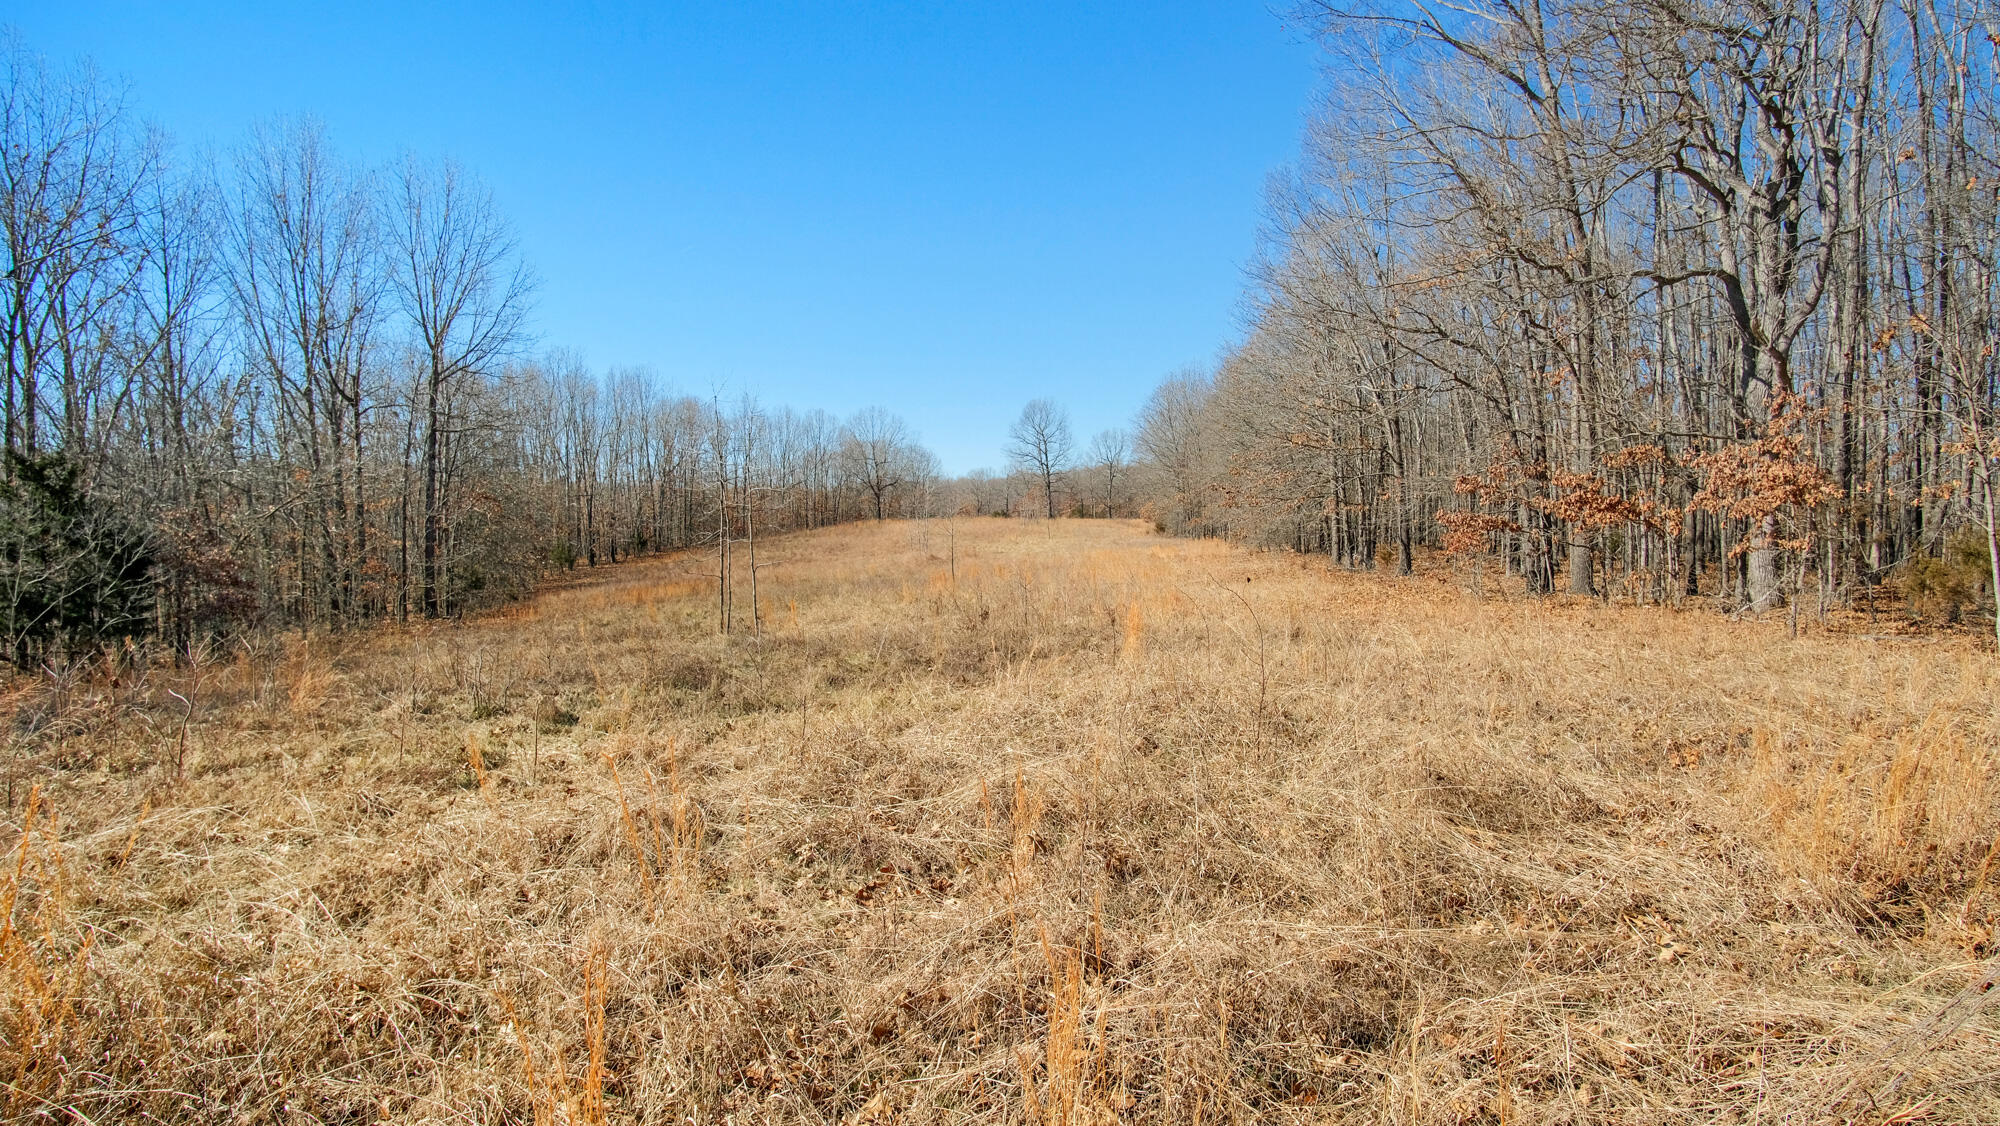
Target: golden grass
(1004, 821)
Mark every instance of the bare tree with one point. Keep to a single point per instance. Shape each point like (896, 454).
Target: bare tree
(922, 471)
(305, 278)
(465, 294)
(1109, 453)
(1040, 445)
(71, 173)
(173, 460)
(1172, 437)
(877, 443)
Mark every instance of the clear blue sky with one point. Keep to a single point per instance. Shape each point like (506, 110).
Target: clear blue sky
(945, 208)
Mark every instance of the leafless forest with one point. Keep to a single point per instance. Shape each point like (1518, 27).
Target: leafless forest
(281, 390)
(1655, 299)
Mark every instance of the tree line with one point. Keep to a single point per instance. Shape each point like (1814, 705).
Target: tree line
(1049, 474)
(1655, 298)
(280, 388)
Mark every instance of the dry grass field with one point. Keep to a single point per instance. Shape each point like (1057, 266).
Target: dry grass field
(1002, 821)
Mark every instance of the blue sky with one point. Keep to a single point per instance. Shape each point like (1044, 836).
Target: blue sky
(946, 209)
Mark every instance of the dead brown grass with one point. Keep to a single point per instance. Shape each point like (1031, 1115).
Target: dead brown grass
(1002, 821)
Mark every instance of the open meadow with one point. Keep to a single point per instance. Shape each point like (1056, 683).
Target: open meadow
(992, 820)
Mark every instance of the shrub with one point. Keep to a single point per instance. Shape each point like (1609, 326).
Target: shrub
(1942, 586)
(73, 573)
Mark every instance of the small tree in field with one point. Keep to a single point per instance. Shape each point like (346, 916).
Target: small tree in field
(1040, 445)
(1109, 452)
(878, 448)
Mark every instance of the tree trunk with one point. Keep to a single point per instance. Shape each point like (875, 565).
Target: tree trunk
(1581, 581)
(1764, 592)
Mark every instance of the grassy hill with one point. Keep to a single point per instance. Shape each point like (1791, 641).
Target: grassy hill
(1055, 822)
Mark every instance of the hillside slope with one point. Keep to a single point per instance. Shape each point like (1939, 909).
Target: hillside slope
(1005, 821)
